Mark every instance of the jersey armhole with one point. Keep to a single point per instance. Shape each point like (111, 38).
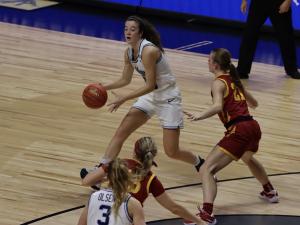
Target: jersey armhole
(227, 88)
(130, 219)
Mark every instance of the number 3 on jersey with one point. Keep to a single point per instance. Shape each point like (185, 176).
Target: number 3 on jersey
(105, 212)
(238, 96)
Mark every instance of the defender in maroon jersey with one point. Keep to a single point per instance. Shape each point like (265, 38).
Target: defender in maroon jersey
(144, 153)
(241, 140)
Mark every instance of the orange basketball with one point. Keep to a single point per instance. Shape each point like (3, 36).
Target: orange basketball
(94, 96)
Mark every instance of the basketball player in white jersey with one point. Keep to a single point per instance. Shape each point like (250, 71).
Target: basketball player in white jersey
(114, 206)
(159, 95)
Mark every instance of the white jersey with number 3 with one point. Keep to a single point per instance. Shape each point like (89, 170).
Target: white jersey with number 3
(100, 211)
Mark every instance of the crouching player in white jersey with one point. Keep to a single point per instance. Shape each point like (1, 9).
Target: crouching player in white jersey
(114, 206)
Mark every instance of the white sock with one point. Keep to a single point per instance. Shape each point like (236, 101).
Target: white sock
(105, 160)
(197, 161)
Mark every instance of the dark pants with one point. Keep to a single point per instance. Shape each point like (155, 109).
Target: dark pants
(259, 11)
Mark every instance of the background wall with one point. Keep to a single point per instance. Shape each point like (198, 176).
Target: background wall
(228, 10)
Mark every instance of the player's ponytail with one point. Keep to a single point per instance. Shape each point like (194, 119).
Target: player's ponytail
(236, 78)
(145, 151)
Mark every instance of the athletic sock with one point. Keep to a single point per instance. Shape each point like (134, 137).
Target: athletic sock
(198, 163)
(268, 187)
(208, 207)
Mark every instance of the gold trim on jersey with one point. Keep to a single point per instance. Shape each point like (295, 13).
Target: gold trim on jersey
(228, 153)
(227, 88)
(137, 187)
(149, 182)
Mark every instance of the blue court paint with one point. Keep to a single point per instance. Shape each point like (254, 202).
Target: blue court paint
(96, 22)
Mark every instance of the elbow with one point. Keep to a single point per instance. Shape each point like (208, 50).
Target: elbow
(218, 108)
(84, 183)
(126, 82)
(255, 104)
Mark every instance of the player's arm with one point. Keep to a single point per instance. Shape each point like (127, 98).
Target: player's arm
(94, 177)
(136, 212)
(252, 102)
(158, 191)
(218, 90)
(165, 201)
(126, 75)
(150, 55)
(83, 217)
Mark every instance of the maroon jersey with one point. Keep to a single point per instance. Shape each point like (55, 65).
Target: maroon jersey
(150, 184)
(234, 101)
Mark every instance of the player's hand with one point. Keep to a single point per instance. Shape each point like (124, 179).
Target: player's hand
(244, 6)
(113, 106)
(191, 116)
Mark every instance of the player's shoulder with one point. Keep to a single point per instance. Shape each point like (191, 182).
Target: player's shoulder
(132, 163)
(134, 204)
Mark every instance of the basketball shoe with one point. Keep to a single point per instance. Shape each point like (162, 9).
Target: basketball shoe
(188, 222)
(200, 163)
(209, 219)
(271, 196)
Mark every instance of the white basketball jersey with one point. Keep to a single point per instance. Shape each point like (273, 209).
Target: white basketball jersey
(164, 76)
(100, 211)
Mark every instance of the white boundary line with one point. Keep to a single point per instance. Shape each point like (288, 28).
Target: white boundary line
(194, 45)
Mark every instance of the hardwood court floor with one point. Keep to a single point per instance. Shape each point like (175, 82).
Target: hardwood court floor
(47, 134)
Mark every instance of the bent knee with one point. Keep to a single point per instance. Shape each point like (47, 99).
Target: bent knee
(247, 157)
(172, 154)
(208, 168)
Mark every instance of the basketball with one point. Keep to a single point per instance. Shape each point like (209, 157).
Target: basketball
(94, 96)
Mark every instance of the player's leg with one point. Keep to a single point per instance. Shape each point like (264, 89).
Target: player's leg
(172, 149)
(138, 115)
(133, 120)
(215, 161)
(258, 171)
(255, 167)
(171, 118)
(254, 135)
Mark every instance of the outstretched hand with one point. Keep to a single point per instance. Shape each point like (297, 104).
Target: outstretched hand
(113, 106)
(191, 116)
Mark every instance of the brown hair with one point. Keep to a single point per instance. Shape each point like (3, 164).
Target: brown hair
(222, 57)
(145, 150)
(120, 181)
(148, 31)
